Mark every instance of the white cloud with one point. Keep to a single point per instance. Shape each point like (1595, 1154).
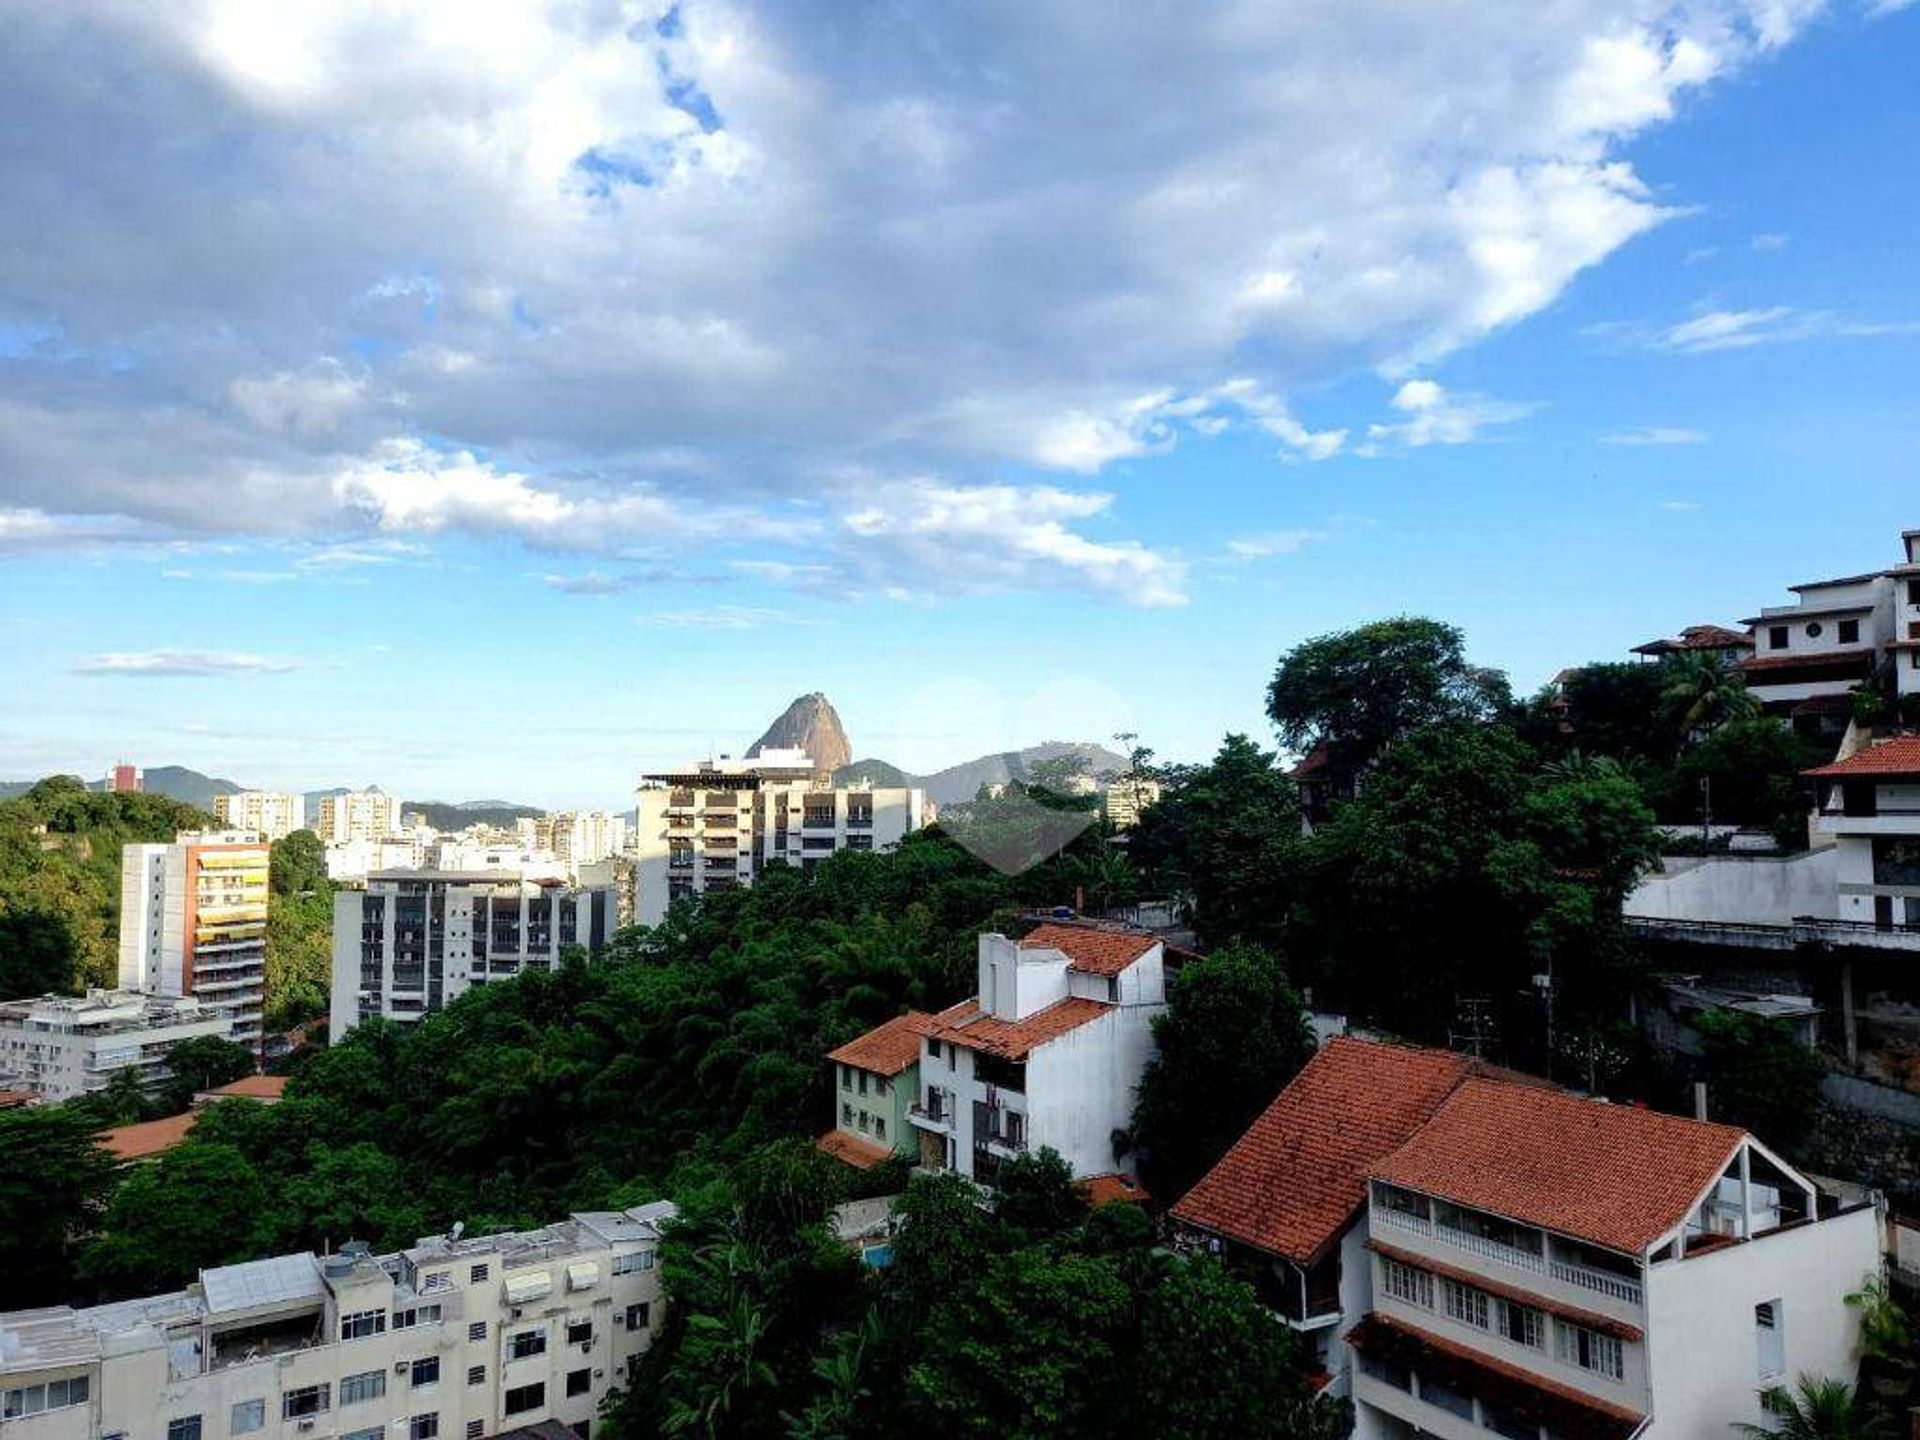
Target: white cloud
(1655, 435)
(719, 617)
(1880, 9)
(1777, 324)
(169, 663)
(311, 404)
(1769, 240)
(1680, 506)
(1436, 417)
(1271, 543)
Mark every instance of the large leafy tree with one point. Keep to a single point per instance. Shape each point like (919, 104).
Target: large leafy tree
(1760, 1077)
(53, 1177)
(197, 1206)
(203, 1063)
(1359, 690)
(1701, 692)
(299, 930)
(1234, 1033)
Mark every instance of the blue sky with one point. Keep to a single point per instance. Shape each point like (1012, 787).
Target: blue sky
(1007, 382)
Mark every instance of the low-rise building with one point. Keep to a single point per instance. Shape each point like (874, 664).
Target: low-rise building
(715, 825)
(1727, 645)
(1478, 1253)
(875, 1081)
(414, 940)
(270, 814)
(193, 921)
(1870, 808)
(1048, 1054)
(453, 1339)
(60, 1047)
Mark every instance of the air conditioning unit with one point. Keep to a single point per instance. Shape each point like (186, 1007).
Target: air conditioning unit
(401, 1367)
(307, 1423)
(619, 1319)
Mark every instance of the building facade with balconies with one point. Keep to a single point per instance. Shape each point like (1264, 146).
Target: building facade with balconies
(716, 825)
(1870, 807)
(60, 1047)
(414, 940)
(270, 814)
(1537, 1265)
(1048, 1054)
(876, 1079)
(454, 1339)
(193, 921)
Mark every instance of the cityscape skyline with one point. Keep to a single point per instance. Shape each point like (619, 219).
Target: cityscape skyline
(505, 471)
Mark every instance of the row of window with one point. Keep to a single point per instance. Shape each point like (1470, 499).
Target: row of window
(362, 1323)
(1522, 1324)
(1455, 1402)
(881, 1084)
(33, 1399)
(851, 1119)
(632, 1261)
(419, 1427)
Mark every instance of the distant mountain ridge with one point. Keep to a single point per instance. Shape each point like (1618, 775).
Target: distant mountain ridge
(962, 782)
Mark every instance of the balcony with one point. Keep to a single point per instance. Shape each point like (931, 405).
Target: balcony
(932, 1114)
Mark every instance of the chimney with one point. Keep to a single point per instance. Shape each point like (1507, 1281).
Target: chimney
(1699, 1099)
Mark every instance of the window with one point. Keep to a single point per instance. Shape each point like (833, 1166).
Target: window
(846, 1077)
(933, 1049)
(1776, 637)
(1913, 592)
(881, 1085)
(636, 1260)
(1770, 1333)
(475, 1429)
(1465, 1304)
(358, 1389)
(476, 1374)
(527, 1342)
(435, 1283)
(477, 1275)
(1849, 632)
(33, 1399)
(579, 1332)
(863, 1122)
(639, 1316)
(373, 1433)
(523, 1398)
(363, 1323)
(1522, 1324)
(427, 1371)
(1454, 1402)
(186, 1427)
(1512, 1427)
(424, 1427)
(1590, 1350)
(307, 1400)
(418, 1315)
(247, 1416)
(579, 1382)
(477, 1330)
(846, 1113)
(1403, 1282)
(880, 1127)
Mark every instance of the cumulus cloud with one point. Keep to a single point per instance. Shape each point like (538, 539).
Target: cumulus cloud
(642, 272)
(1435, 417)
(167, 663)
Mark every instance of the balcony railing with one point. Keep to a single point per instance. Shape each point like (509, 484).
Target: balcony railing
(1491, 1249)
(1401, 1220)
(1598, 1281)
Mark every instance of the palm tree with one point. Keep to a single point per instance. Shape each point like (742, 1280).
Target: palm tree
(1702, 693)
(1818, 1408)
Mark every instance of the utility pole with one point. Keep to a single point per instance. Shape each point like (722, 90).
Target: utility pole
(1706, 813)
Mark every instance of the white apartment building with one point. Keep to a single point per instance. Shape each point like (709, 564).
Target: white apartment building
(1048, 1054)
(1870, 807)
(357, 815)
(1811, 653)
(1125, 798)
(414, 940)
(577, 837)
(353, 861)
(193, 921)
(454, 1339)
(271, 814)
(719, 823)
(60, 1047)
(1475, 1253)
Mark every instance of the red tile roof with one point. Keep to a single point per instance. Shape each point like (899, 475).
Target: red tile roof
(1614, 1175)
(1561, 1409)
(1292, 1183)
(14, 1099)
(1846, 662)
(972, 1028)
(890, 1048)
(1104, 1189)
(127, 1143)
(855, 1150)
(1699, 637)
(265, 1088)
(1097, 952)
(1895, 757)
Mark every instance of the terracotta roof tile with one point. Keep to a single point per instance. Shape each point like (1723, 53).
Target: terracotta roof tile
(1900, 756)
(1840, 662)
(855, 1150)
(1104, 1189)
(1615, 1175)
(127, 1143)
(972, 1028)
(1097, 952)
(890, 1048)
(1561, 1409)
(268, 1088)
(1292, 1183)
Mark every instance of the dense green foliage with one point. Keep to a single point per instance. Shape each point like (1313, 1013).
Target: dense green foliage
(60, 880)
(1028, 1318)
(299, 931)
(1759, 1077)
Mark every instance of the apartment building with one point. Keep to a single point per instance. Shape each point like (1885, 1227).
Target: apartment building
(358, 815)
(193, 921)
(1809, 654)
(125, 779)
(718, 824)
(453, 1339)
(876, 1081)
(1126, 798)
(414, 940)
(530, 862)
(1477, 1253)
(60, 1047)
(270, 814)
(578, 837)
(352, 862)
(1870, 808)
(1049, 1053)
